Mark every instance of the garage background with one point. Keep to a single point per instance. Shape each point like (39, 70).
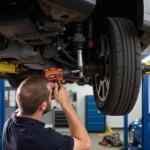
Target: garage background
(82, 92)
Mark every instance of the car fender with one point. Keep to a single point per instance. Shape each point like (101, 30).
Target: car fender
(143, 15)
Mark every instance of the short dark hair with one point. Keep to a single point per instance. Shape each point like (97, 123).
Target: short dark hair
(31, 93)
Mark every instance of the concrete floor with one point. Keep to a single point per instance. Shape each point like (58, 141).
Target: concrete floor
(96, 139)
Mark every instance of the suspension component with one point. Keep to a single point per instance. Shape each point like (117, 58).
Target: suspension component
(79, 41)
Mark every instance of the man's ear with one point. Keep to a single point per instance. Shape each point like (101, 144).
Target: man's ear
(43, 105)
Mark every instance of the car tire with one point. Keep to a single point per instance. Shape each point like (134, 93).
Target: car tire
(119, 50)
(132, 139)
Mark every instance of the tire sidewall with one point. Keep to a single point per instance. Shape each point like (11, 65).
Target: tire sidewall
(108, 32)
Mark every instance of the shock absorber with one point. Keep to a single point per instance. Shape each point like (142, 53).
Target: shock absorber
(79, 44)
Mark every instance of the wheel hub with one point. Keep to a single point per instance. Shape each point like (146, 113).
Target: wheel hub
(102, 80)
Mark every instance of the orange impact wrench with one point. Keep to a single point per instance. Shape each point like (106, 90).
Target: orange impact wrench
(57, 75)
(54, 75)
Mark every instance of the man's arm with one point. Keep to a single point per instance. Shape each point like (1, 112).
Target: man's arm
(78, 131)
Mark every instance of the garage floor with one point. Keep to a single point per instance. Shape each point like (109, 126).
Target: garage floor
(96, 139)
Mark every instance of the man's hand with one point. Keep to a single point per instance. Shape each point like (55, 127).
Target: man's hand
(61, 95)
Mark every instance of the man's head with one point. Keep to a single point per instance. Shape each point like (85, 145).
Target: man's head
(34, 94)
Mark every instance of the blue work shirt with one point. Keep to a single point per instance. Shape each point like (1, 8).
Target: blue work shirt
(22, 133)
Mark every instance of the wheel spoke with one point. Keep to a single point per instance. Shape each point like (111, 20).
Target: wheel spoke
(102, 80)
(100, 87)
(106, 56)
(98, 83)
(106, 82)
(103, 90)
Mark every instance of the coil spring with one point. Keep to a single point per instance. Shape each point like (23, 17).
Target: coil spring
(79, 43)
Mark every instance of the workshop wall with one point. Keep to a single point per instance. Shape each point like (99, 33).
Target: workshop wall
(82, 91)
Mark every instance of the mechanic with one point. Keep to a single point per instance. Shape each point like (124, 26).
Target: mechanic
(23, 129)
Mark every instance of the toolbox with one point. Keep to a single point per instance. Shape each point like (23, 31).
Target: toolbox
(95, 120)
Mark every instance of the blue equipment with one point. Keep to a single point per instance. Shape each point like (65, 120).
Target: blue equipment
(2, 109)
(145, 140)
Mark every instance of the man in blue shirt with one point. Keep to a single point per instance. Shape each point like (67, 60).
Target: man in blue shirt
(23, 129)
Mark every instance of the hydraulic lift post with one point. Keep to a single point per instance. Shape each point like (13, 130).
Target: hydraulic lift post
(145, 111)
(2, 109)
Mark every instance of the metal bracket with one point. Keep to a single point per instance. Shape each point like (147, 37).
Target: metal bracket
(6, 67)
(146, 68)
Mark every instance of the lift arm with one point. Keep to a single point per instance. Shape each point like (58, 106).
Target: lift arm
(146, 68)
(6, 67)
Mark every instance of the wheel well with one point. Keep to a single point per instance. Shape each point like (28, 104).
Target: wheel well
(117, 8)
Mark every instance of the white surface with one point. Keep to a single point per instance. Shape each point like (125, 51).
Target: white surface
(7, 84)
(48, 126)
(12, 97)
(146, 51)
(82, 91)
(146, 10)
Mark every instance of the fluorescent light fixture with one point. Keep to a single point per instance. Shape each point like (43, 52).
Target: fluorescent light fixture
(147, 59)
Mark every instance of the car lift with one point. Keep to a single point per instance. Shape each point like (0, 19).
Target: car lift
(2, 109)
(145, 111)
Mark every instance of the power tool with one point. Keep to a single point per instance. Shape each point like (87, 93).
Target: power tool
(54, 75)
(58, 75)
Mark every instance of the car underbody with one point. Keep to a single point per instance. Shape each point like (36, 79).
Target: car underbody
(42, 34)
(75, 35)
